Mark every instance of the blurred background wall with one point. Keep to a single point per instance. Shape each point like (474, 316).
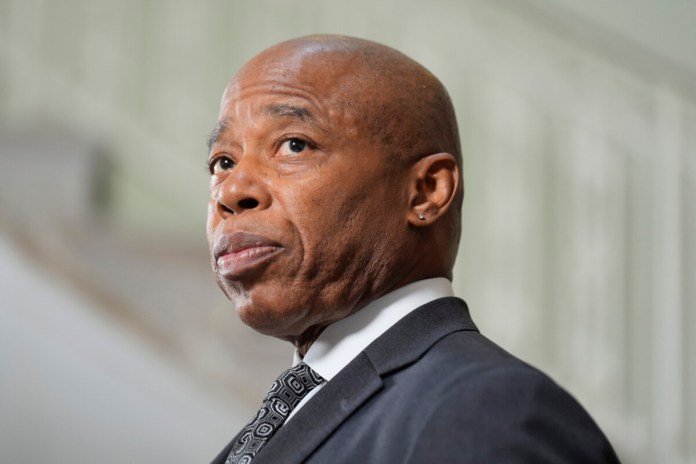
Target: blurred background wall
(578, 124)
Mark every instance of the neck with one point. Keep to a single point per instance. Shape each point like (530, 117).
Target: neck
(303, 342)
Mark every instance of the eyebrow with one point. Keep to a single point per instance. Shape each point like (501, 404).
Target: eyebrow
(284, 110)
(279, 110)
(216, 133)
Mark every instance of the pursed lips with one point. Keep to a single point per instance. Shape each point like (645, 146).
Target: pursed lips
(242, 252)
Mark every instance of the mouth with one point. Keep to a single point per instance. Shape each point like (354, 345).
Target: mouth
(241, 253)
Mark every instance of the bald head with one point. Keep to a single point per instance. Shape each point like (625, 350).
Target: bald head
(402, 103)
(338, 161)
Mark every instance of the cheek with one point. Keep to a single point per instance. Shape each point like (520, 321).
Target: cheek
(211, 221)
(343, 214)
(336, 226)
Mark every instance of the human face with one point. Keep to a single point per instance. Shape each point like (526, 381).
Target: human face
(307, 215)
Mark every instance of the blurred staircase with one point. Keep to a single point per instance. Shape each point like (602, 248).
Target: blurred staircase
(55, 209)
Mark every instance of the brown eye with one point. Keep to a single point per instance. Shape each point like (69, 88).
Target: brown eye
(293, 146)
(296, 145)
(220, 164)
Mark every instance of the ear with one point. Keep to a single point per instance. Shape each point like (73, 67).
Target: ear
(434, 185)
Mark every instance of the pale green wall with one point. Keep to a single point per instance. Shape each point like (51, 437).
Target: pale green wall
(665, 27)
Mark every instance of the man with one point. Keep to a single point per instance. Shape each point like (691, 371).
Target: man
(334, 223)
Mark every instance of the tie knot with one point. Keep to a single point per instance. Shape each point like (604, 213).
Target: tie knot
(292, 385)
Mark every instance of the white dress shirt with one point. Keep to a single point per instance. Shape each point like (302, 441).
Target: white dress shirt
(342, 341)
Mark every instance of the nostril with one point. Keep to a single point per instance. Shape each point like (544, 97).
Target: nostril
(248, 203)
(224, 208)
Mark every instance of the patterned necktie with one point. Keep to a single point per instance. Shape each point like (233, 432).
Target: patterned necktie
(286, 393)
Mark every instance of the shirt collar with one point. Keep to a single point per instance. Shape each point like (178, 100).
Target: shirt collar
(342, 341)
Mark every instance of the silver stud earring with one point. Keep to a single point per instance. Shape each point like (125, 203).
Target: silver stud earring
(421, 216)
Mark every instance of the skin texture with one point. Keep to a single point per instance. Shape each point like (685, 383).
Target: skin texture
(326, 151)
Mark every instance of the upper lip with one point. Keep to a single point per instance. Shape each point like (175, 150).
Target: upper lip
(239, 241)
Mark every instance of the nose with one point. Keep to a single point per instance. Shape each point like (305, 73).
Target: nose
(242, 189)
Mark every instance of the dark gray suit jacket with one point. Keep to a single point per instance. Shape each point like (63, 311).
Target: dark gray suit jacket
(432, 389)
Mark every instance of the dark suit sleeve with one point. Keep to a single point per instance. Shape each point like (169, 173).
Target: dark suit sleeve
(509, 415)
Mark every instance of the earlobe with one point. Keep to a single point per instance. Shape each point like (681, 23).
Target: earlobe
(435, 182)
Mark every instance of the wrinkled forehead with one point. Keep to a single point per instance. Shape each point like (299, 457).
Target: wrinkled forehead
(326, 77)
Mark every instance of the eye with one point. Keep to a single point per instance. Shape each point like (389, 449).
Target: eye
(293, 146)
(222, 163)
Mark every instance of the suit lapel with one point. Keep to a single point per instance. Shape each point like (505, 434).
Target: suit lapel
(317, 419)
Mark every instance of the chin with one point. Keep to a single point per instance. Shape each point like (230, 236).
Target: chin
(273, 318)
(267, 325)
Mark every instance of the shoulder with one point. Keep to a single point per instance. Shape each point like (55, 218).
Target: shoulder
(488, 406)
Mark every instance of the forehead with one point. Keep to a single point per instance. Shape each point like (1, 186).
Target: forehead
(272, 98)
(326, 76)
(319, 91)
(318, 78)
